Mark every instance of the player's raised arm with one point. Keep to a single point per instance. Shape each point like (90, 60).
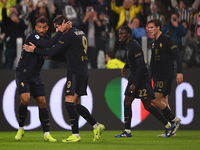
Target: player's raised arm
(49, 43)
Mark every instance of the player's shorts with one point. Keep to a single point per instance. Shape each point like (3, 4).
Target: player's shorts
(144, 91)
(29, 84)
(163, 86)
(76, 84)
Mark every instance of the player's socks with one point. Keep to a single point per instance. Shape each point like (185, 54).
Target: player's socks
(168, 114)
(76, 134)
(44, 119)
(22, 113)
(46, 133)
(21, 128)
(73, 116)
(95, 125)
(127, 116)
(157, 113)
(168, 125)
(128, 131)
(85, 114)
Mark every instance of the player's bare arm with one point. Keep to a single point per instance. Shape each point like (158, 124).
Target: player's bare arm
(179, 78)
(123, 71)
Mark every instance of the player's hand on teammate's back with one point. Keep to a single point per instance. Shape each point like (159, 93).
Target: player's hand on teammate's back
(29, 48)
(65, 26)
(179, 78)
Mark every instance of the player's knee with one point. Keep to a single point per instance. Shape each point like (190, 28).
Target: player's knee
(147, 104)
(25, 100)
(41, 102)
(156, 102)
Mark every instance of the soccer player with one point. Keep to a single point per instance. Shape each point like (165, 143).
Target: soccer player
(74, 45)
(164, 52)
(139, 83)
(28, 77)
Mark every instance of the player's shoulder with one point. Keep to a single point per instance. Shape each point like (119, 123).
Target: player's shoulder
(134, 43)
(33, 35)
(165, 36)
(76, 31)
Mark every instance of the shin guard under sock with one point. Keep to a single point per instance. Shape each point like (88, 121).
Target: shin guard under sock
(44, 119)
(85, 114)
(73, 116)
(157, 113)
(127, 116)
(22, 113)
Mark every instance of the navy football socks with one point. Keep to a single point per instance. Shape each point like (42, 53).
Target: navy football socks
(44, 119)
(73, 116)
(127, 116)
(168, 114)
(85, 114)
(22, 113)
(157, 113)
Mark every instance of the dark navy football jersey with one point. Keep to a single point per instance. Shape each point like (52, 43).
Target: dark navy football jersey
(137, 63)
(164, 52)
(74, 45)
(31, 63)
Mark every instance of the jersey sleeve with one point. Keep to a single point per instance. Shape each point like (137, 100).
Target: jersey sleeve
(152, 64)
(175, 52)
(47, 43)
(139, 59)
(60, 45)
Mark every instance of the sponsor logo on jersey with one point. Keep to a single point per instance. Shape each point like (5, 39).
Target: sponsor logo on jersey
(174, 46)
(152, 45)
(61, 42)
(68, 84)
(37, 37)
(22, 84)
(136, 55)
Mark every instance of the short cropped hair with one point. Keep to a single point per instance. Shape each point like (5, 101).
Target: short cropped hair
(157, 22)
(174, 13)
(59, 19)
(127, 29)
(42, 20)
(111, 54)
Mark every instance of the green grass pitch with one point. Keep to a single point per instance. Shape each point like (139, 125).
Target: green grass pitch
(141, 140)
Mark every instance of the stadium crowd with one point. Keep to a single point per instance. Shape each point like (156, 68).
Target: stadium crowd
(100, 20)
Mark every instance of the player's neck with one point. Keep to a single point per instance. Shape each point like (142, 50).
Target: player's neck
(127, 41)
(158, 35)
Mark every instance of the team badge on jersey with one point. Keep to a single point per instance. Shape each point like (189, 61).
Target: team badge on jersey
(37, 37)
(152, 45)
(68, 84)
(160, 44)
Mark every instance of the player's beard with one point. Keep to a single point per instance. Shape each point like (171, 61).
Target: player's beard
(42, 34)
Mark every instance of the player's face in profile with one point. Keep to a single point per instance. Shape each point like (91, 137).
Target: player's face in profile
(153, 30)
(57, 27)
(107, 58)
(123, 35)
(41, 28)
